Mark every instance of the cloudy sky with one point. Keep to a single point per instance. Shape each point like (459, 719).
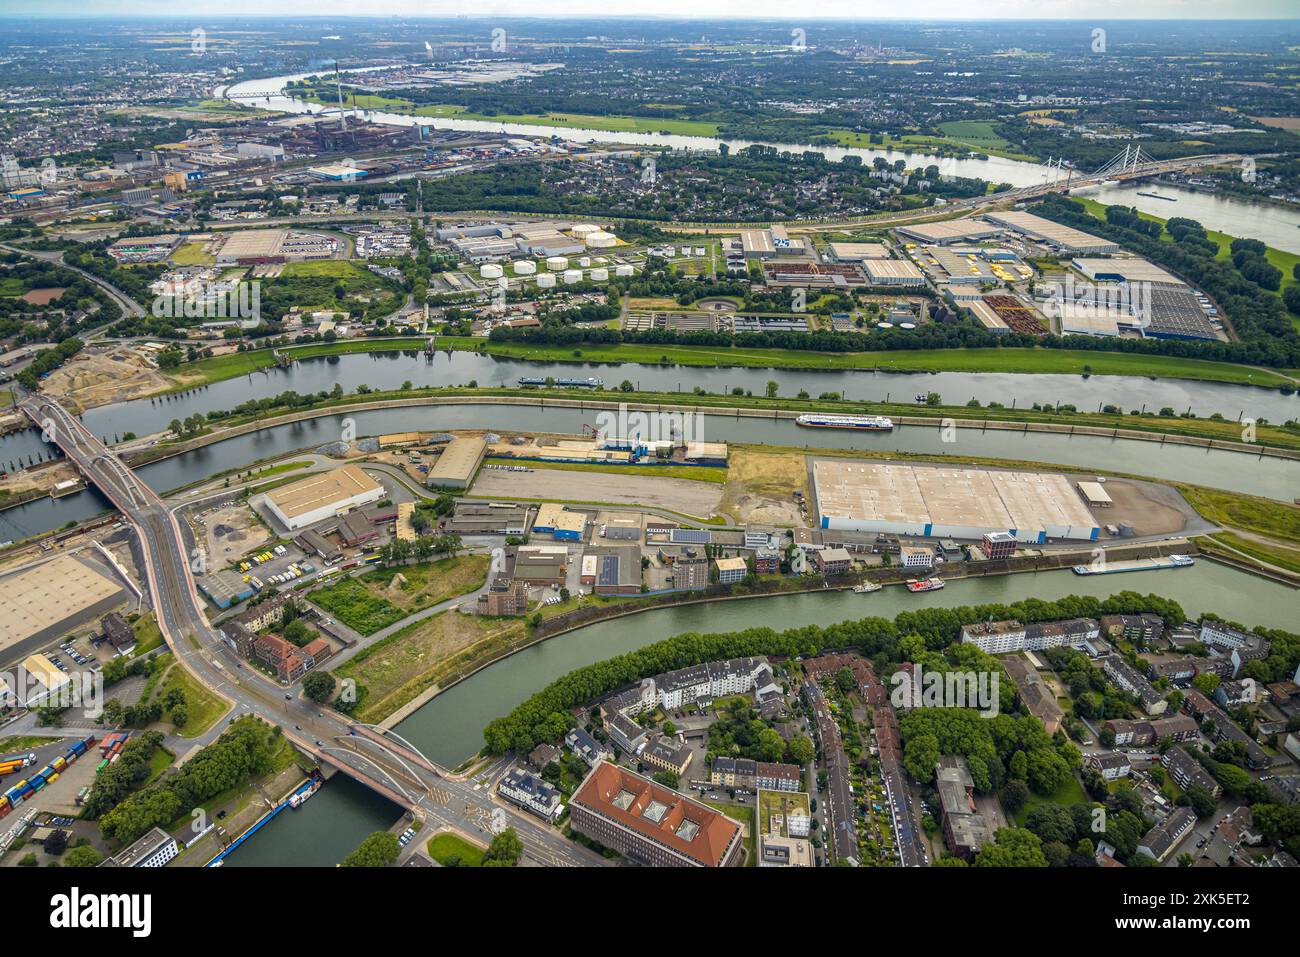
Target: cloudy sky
(776, 9)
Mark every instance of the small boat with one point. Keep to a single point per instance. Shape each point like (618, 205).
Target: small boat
(925, 584)
(866, 588)
(299, 798)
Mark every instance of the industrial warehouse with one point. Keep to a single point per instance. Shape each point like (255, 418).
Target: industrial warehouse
(949, 502)
(323, 496)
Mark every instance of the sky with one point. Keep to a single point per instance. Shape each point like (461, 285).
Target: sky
(775, 9)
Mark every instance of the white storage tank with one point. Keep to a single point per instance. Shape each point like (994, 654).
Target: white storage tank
(624, 270)
(572, 276)
(525, 267)
(557, 263)
(491, 271)
(600, 240)
(600, 275)
(584, 261)
(582, 230)
(546, 280)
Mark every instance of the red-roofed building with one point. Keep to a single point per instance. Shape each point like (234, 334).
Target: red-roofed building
(281, 656)
(651, 824)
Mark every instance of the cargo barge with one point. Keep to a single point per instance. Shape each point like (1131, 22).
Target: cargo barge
(871, 423)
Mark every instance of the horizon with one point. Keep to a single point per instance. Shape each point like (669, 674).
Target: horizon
(729, 11)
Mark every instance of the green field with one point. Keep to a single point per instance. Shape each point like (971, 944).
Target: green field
(975, 135)
(1275, 520)
(1277, 555)
(204, 706)
(587, 121)
(376, 599)
(1071, 792)
(694, 473)
(453, 850)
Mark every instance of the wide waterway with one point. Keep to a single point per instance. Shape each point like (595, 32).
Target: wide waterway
(388, 370)
(1267, 222)
(1217, 468)
(450, 727)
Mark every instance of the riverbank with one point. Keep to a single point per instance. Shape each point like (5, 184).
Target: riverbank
(574, 614)
(1027, 361)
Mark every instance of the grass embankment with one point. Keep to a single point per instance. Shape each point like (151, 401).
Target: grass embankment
(1271, 529)
(148, 635)
(1262, 516)
(1020, 361)
(1234, 546)
(24, 742)
(695, 473)
(1221, 430)
(379, 598)
(452, 850)
(202, 706)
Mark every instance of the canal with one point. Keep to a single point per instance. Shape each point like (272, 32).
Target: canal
(449, 728)
(1234, 471)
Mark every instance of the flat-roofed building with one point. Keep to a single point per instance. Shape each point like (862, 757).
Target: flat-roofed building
(964, 828)
(458, 463)
(488, 518)
(323, 496)
(155, 849)
(1064, 238)
(253, 245)
(731, 570)
(857, 252)
(950, 231)
(40, 602)
(504, 597)
(539, 564)
(941, 502)
(651, 824)
(618, 569)
(1125, 269)
(892, 272)
(47, 681)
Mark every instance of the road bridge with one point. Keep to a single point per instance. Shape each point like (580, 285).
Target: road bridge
(379, 759)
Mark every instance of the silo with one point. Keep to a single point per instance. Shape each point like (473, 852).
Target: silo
(546, 280)
(624, 270)
(557, 263)
(600, 275)
(491, 271)
(525, 267)
(572, 276)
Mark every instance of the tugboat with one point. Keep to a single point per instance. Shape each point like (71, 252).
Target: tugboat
(925, 584)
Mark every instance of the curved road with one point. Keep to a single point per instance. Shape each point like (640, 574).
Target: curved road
(166, 554)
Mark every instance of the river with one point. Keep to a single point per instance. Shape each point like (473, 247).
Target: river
(1217, 468)
(450, 727)
(268, 94)
(1271, 224)
(388, 370)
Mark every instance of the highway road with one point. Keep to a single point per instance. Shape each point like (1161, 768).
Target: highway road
(166, 554)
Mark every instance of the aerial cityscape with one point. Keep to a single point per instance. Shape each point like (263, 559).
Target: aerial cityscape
(619, 441)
